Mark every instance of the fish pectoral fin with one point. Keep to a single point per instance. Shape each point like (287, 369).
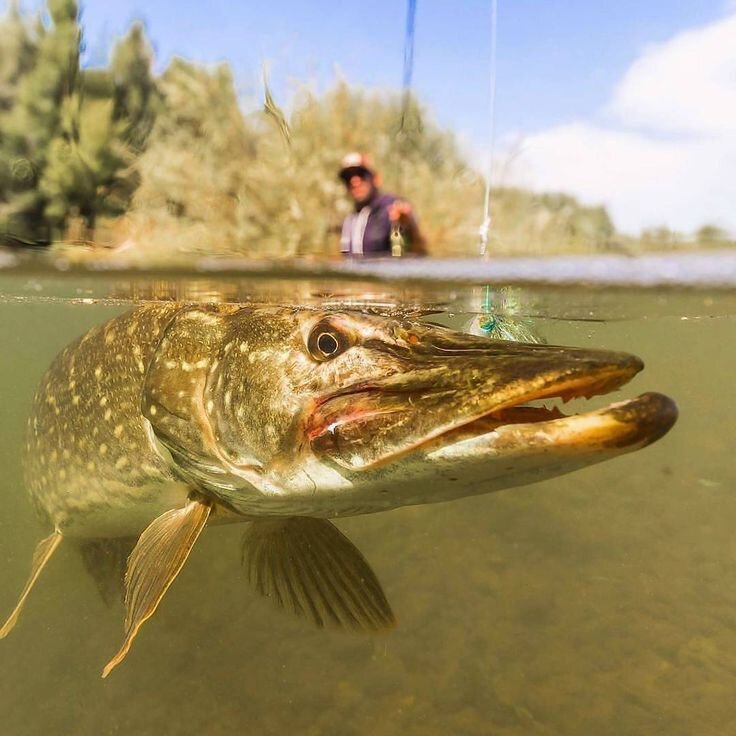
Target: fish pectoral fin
(41, 555)
(309, 566)
(105, 561)
(155, 561)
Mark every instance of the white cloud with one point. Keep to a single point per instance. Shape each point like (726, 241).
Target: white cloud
(668, 155)
(686, 85)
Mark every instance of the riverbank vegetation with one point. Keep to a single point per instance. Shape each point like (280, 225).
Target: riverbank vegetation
(122, 157)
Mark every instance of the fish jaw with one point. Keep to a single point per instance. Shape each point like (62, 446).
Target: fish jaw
(515, 455)
(373, 423)
(563, 444)
(470, 461)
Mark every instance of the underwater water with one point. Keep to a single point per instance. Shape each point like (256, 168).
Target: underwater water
(602, 602)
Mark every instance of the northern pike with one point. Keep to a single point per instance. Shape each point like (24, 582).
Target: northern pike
(175, 416)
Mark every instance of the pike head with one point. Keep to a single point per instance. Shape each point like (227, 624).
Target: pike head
(297, 411)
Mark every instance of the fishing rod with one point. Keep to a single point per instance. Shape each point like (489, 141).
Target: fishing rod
(411, 12)
(398, 241)
(485, 226)
(397, 237)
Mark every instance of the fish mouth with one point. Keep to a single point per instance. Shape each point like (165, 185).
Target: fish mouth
(623, 425)
(488, 395)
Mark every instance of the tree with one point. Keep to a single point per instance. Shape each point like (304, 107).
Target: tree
(195, 165)
(712, 235)
(660, 238)
(17, 54)
(31, 125)
(72, 136)
(84, 164)
(135, 93)
(103, 129)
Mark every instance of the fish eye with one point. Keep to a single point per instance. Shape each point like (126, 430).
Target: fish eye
(326, 342)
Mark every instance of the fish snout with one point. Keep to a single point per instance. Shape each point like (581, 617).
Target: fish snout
(642, 420)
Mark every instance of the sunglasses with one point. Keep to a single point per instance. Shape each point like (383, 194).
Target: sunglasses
(348, 174)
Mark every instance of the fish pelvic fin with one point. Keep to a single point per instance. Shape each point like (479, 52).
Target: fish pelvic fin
(41, 555)
(105, 561)
(308, 565)
(154, 563)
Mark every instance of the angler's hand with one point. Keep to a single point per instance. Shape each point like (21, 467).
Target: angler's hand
(399, 210)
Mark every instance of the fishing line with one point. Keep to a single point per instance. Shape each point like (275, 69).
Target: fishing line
(486, 224)
(487, 321)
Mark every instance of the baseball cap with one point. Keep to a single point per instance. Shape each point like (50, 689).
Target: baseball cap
(355, 164)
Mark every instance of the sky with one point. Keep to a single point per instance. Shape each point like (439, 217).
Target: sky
(628, 104)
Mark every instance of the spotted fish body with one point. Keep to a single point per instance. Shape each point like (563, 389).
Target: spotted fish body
(91, 467)
(174, 416)
(232, 401)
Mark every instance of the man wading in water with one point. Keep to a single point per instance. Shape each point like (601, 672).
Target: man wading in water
(382, 224)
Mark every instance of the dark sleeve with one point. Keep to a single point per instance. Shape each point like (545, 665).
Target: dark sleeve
(417, 242)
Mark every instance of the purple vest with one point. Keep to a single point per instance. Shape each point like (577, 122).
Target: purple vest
(367, 232)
